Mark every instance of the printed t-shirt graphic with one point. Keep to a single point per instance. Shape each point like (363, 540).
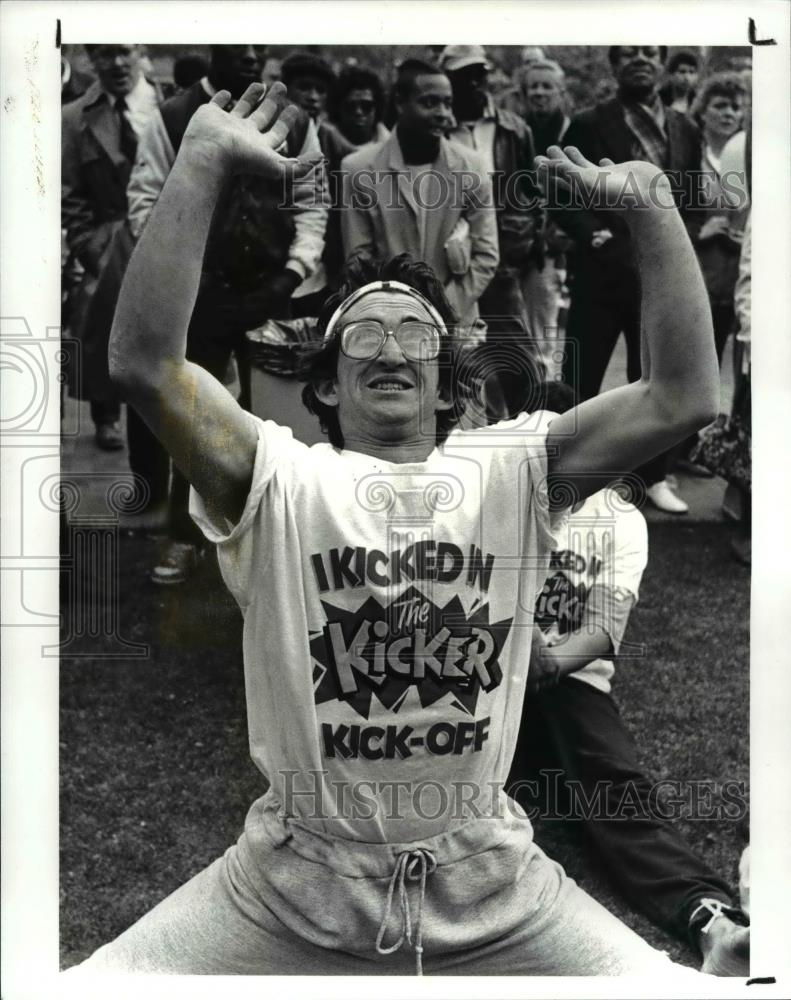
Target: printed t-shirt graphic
(597, 562)
(387, 617)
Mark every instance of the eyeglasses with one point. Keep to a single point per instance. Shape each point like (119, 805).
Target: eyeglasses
(364, 340)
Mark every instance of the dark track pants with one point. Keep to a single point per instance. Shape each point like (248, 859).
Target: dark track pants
(576, 729)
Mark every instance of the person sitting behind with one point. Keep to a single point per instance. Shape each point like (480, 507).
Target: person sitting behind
(571, 724)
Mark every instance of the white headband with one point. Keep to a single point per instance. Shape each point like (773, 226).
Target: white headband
(382, 286)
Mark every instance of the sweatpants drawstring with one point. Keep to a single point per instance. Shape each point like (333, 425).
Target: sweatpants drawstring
(410, 866)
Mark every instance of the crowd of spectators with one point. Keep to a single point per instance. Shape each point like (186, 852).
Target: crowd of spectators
(549, 289)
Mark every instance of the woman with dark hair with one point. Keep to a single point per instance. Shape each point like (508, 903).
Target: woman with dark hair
(355, 107)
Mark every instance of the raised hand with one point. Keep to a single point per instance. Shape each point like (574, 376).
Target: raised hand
(570, 180)
(246, 139)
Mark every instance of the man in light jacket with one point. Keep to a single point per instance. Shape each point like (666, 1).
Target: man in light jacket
(418, 193)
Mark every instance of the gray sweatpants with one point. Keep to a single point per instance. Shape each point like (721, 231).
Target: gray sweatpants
(481, 900)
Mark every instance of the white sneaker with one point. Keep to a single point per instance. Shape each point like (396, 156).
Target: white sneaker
(663, 498)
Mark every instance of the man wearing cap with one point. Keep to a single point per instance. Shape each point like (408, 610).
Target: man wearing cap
(505, 143)
(387, 582)
(418, 193)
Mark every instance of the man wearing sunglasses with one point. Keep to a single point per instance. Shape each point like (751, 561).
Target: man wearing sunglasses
(355, 108)
(387, 581)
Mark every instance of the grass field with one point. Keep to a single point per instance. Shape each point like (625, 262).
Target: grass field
(155, 773)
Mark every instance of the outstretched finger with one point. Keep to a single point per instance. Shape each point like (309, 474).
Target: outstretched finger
(550, 174)
(605, 161)
(555, 153)
(554, 166)
(221, 98)
(278, 134)
(576, 156)
(269, 108)
(248, 100)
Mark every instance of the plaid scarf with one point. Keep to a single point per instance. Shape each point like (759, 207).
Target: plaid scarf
(647, 125)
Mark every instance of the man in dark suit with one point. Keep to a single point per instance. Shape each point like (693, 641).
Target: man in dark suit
(605, 301)
(99, 143)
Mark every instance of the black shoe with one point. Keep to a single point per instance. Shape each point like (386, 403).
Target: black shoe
(694, 469)
(108, 437)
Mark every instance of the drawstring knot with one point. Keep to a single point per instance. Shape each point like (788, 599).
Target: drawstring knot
(410, 866)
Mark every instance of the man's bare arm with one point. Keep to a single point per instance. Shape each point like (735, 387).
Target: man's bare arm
(678, 393)
(210, 438)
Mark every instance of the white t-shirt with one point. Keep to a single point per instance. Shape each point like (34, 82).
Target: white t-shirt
(388, 611)
(598, 558)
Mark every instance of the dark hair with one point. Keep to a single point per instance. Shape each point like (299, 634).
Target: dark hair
(319, 361)
(355, 78)
(683, 58)
(614, 52)
(306, 64)
(409, 71)
(90, 48)
(718, 85)
(189, 69)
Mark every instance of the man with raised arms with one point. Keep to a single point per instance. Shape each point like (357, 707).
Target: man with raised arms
(385, 843)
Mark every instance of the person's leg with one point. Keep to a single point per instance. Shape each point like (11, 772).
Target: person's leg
(649, 862)
(723, 318)
(508, 364)
(217, 924)
(564, 932)
(148, 459)
(286, 900)
(105, 414)
(105, 411)
(541, 293)
(489, 901)
(591, 334)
